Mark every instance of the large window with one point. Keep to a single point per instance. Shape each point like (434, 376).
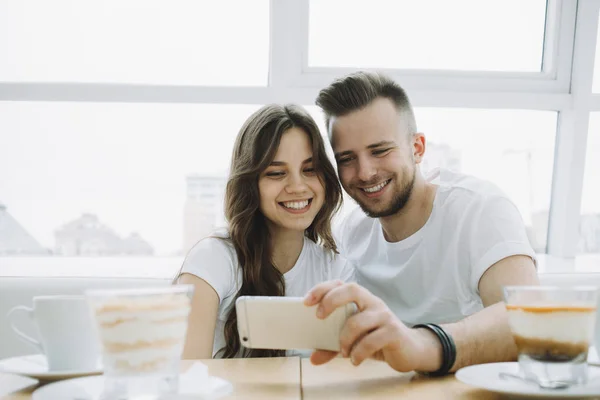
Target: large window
(182, 42)
(471, 35)
(117, 118)
(589, 225)
(154, 173)
(512, 148)
(110, 177)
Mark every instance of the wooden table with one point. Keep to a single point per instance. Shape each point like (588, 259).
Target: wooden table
(259, 378)
(339, 379)
(253, 379)
(293, 378)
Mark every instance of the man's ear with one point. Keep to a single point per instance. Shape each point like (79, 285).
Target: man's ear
(419, 145)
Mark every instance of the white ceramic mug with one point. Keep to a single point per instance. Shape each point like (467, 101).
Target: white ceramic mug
(67, 334)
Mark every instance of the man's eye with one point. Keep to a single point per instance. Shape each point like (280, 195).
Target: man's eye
(344, 160)
(380, 152)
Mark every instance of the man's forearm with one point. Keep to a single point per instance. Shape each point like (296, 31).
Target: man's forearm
(483, 337)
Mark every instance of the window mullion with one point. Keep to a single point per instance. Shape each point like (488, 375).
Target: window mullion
(559, 39)
(572, 131)
(289, 22)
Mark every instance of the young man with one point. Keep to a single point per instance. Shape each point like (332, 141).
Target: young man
(426, 252)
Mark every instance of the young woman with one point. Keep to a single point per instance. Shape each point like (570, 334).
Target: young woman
(281, 194)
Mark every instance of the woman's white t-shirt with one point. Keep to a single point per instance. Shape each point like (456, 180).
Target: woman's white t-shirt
(214, 260)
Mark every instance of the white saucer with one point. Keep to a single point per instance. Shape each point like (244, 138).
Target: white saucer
(593, 357)
(90, 388)
(10, 383)
(35, 366)
(485, 376)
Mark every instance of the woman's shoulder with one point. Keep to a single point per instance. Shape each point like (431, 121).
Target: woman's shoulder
(213, 259)
(216, 248)
(217, 245)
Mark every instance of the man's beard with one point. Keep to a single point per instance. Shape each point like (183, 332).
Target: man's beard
(398, 201)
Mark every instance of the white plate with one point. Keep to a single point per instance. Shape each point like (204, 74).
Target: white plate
(10, 383)
(35, 366)
(593, 357)
(90, 388)
(485, 376)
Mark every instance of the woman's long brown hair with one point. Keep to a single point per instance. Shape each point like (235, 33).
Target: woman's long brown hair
(254, 150)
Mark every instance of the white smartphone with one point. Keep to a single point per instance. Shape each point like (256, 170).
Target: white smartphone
(285, 323)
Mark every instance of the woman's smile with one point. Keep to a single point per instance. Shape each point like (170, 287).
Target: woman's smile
(296, 206)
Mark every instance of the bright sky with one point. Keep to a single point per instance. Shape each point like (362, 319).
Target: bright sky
(127, 162)
(434, 34)
(135, 41)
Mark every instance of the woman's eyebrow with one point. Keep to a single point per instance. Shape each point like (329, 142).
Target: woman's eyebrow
(283, 163)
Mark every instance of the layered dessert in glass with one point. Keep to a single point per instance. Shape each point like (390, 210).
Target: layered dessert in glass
(546, 333)
(553, 328)
(142, 333)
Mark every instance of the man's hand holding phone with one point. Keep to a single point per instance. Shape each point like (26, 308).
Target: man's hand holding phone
(373, 332)
(286, 323)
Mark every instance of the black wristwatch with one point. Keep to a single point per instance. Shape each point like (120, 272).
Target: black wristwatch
(448, 349)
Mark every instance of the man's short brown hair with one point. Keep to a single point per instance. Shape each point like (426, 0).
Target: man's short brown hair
(357, 90)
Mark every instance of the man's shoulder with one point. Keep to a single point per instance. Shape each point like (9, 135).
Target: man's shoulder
(458, 190)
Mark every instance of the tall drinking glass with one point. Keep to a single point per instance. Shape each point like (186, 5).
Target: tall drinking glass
(553, 328)
(142, 333)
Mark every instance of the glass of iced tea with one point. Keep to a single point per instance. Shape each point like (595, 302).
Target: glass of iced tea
(553, 328)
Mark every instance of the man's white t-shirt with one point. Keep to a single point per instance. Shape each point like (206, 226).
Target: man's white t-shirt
(433, 275)
(215, 261)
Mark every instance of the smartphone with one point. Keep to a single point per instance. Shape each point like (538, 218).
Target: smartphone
(285, 323)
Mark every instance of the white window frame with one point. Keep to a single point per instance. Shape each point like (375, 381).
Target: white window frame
(571, 140)
(564, 85)
(435, 88)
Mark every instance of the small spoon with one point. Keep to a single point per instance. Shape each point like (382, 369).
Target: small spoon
(551, 385)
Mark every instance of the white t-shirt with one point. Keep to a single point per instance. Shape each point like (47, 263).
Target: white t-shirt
(215, 261)
(433, 275)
